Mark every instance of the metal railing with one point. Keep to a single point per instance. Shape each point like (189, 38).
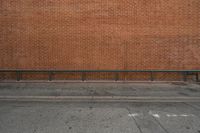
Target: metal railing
(20, 72)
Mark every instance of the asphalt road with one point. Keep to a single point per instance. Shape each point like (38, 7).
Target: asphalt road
(65, 117)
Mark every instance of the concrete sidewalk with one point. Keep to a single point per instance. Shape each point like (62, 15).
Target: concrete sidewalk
(147, 92)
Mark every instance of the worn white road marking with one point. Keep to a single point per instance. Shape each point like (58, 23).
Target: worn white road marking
(154, 114)
(180, 115)
(133, 115)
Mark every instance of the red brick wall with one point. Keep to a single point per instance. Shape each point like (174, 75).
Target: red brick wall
(100, 34)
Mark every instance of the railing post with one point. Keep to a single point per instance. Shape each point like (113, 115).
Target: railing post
(184, 76)
(116, 76)
(151, 73)
(50, 76)
(83, 76)
(197, 77)
(19, 75)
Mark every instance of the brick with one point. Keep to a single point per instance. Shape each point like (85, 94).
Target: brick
(100, 34)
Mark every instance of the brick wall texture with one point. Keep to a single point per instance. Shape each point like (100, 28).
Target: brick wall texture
(100, 34)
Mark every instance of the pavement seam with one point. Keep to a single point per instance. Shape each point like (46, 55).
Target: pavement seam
(194, 107)
(134, 120)
(160, 125)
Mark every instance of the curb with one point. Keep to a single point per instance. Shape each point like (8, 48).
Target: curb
(98, 99)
